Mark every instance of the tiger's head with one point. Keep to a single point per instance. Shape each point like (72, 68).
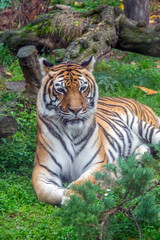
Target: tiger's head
(68, 92)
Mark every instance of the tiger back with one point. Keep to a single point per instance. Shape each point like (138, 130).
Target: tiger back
(78, 134)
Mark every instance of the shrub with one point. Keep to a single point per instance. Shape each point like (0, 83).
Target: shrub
(128, 206)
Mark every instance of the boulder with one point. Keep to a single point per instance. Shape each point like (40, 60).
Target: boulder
(8, 126)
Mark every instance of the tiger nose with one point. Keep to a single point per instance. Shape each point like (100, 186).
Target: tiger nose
(75, 110)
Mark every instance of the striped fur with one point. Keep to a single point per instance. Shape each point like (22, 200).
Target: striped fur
(77, 136)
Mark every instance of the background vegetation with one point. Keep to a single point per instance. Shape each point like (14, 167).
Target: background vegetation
(22, 216)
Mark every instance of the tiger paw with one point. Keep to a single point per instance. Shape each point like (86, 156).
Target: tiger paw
(66, 196)
(65, 199)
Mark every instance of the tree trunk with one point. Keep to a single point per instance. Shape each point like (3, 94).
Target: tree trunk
(137, 10)
(29, 63)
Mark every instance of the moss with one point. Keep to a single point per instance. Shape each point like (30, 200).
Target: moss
(82, 50)
(43, 29)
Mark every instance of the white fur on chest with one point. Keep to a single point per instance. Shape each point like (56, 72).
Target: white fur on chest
(74, 156)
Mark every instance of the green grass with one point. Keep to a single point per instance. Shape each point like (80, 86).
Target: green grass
(22, 216)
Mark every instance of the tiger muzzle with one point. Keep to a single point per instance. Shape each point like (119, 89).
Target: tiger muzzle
(75, 110)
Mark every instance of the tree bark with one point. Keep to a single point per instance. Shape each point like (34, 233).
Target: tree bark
(137, 10)
(135, 38)
(29, 63)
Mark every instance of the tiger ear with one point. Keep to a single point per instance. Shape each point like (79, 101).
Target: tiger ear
(89, 64)
(45, 66)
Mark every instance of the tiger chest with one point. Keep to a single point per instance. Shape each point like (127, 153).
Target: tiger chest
(73, 155)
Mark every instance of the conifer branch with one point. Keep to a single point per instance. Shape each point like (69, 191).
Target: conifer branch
(120, 208)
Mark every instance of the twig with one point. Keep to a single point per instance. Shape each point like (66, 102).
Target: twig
(112, 211)
(139, 230)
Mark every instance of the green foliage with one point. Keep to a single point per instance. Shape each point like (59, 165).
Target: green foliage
(52, 2)
(146, 210)
(107, 83)
(129, 74)
(6, 97)
(16, 71)
(135, 178)
(128, 203)
(17, 152)
(5, 3)
(89, 4)
(11, 64)
(6, 56)
(83, 214)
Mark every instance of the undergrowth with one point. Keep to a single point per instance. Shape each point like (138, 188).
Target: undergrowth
(22, 216)
(11, 64)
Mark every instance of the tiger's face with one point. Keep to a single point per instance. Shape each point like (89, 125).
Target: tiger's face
(68, 93)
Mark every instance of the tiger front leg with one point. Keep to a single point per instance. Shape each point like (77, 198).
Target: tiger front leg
(141, 150)
(47, 186)
(86, 176)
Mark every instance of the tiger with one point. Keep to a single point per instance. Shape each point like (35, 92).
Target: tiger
(78, 133)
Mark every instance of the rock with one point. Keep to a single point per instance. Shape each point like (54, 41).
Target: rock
(8, 126)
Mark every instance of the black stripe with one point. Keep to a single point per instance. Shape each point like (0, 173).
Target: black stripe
(55, 134)
(50, 181)
(151, 133)
(131, 124)
(46, 142)
(147, 131)
(150, 111)
(111, 155)
(87, 137)
(53, 158)
(110, 122)
(95, 142)
(157, 131)
(51, 172)
(114, 113)
(102, 160)
(89, 132)
(140, 128)
(109, 137)
(92, 158)
(129, 103)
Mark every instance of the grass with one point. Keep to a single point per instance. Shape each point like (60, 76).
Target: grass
(22, 216)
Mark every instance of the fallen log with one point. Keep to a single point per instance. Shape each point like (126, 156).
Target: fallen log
(87, 33)
(137, 37)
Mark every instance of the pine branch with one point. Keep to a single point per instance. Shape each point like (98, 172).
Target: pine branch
(120, 208)
(147, 191)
